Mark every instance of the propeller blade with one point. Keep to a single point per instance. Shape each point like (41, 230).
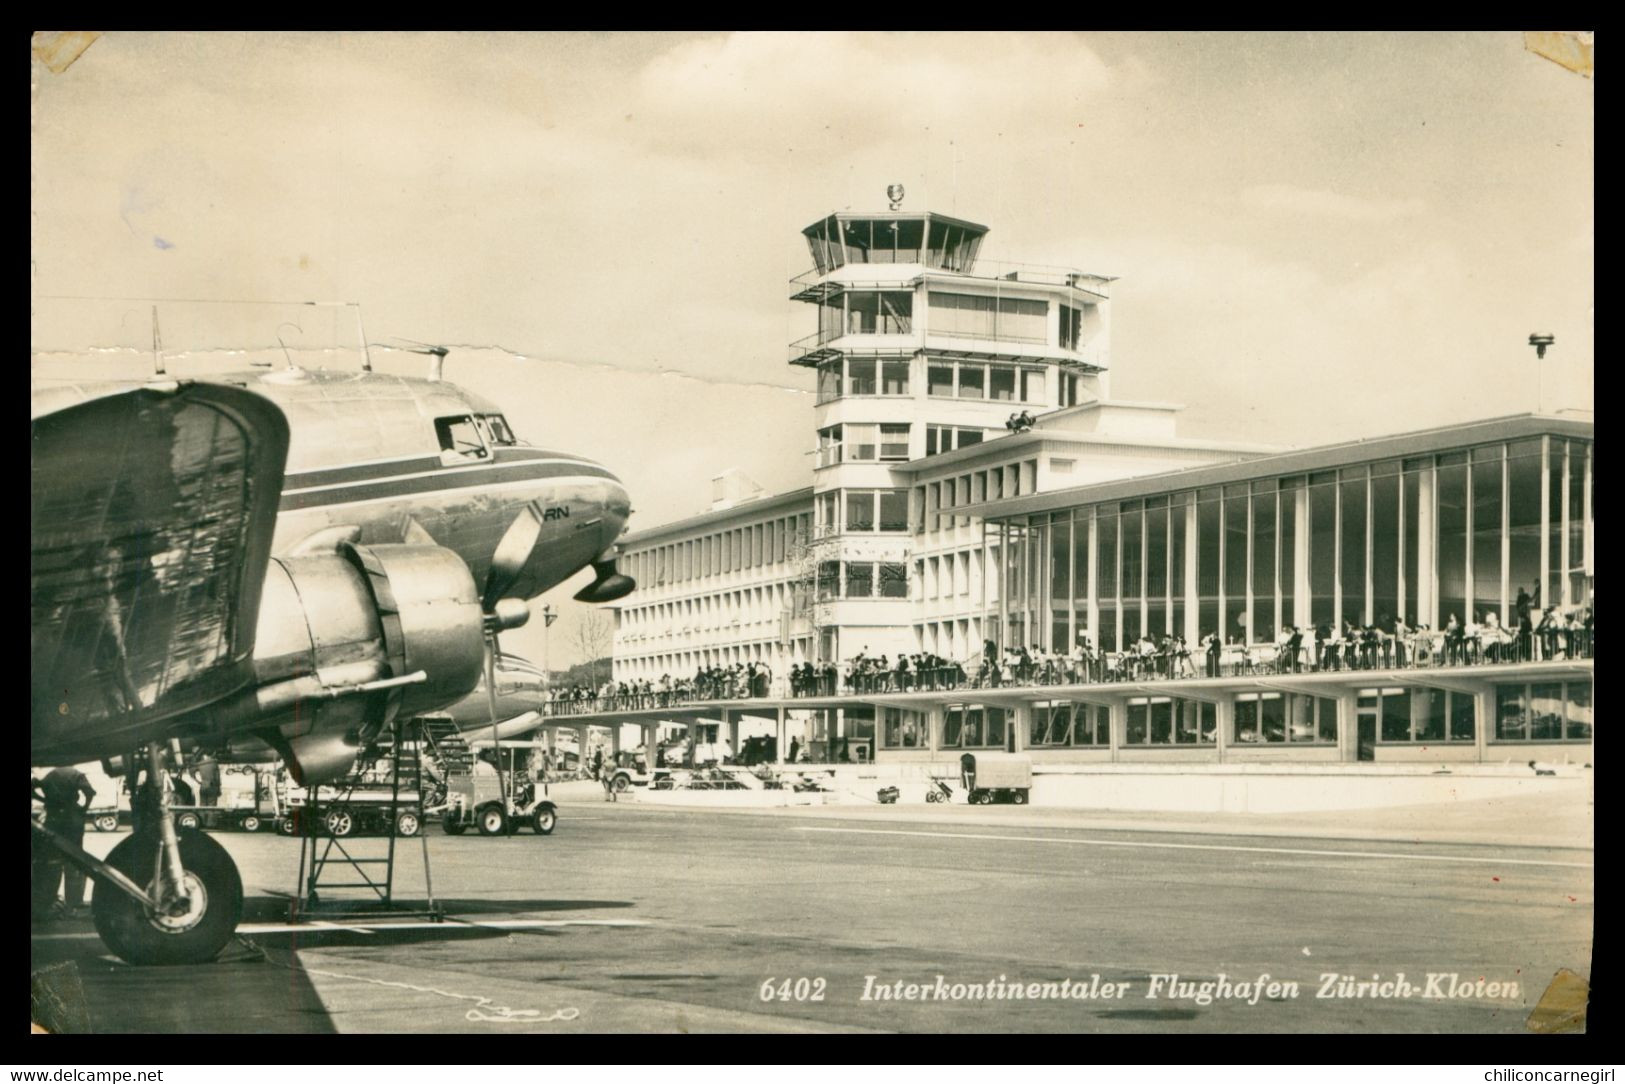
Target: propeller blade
(512, 554)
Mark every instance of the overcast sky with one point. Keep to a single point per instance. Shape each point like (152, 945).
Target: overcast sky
(1318, 235)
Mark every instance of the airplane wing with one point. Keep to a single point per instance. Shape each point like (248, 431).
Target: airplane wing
(152, 512)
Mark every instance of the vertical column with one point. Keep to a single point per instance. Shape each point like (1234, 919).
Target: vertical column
(1094, 580)
(1193, 597)
(1302, 604)
(1020, 719)
(1506, 539)
(729, 732)
(1370, 616)
(1565, 561)
(651, 745)
(779, 748)
(1223, 717)
(1483, 719)
(1545, 522)
(1427, 549)
(1117, 726)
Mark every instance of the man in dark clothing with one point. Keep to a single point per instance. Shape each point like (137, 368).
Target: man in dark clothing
(967, 774)
(1294, 644)
(64, 817)
(1213, 654)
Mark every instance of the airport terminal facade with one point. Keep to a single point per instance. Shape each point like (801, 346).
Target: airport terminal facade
(932, 527)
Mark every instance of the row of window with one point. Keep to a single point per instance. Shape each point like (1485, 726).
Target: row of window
(1550, 711)
(995, 483)
(961, 316)
(834, 243)
(862, 510)
(710, 615)
(862, 579)
(1425, 539)
(771, 542)
(863, 442)
(945, 379)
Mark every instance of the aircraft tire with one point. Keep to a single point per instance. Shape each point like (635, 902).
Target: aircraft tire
(135, 935)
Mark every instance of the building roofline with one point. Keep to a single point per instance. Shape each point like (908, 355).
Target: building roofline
(720, 515)
(1057, 439)
(1295, 461)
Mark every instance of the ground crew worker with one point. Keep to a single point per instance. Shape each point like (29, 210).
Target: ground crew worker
(64, 817)
(967, 774)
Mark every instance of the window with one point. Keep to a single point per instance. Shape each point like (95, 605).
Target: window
(894, 510)
(974, 316)
(902, 729)
(972, 381)
(1164, 720)
(945, 438)
(829, 381)
(860, 511)
(829, 446)
(829, 579)
(460, 438)
(1260, 717)
(860, 579)
(826, 512)
(893, 580)
(860, 376)
(1071, 327)
(972, 726)
(862, 442)
(894, 378)
(877, 313)
(939, 381)
(1545, 711)
(893, 442)
(496, 427)
(1001, 383)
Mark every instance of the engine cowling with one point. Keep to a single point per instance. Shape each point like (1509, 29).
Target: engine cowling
(332, 627)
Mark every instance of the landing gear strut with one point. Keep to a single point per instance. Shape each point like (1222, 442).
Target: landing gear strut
(165, 895)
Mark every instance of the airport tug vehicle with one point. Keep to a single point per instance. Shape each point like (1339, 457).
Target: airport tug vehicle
(495, 806)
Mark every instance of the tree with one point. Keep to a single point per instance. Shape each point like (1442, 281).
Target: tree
(594, 635)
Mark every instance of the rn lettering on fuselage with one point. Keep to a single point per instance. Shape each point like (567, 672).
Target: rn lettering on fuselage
(560, 511)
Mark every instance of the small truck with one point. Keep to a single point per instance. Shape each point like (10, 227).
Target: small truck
(481, 800)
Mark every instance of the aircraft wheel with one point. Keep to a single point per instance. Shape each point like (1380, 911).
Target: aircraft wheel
(544, 819)
(188, 820)
(408, 824)
(493, 821)
(340, 822)
(214, 907)
(251, 823)
(1019, 797)
(452, 824)
(107, 822)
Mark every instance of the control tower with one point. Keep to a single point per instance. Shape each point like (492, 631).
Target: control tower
(921, 348)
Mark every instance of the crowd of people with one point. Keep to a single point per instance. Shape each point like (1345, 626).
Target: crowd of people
(1389, 643)
(737, 682)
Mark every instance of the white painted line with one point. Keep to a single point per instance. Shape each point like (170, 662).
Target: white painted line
(370, 928)
(1487, 860)
(448, 924)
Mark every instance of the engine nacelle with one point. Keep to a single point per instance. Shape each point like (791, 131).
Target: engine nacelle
(333, 627)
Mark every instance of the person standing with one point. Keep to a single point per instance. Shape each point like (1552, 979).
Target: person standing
(967, 774)
(64, 818)
(1213, 649)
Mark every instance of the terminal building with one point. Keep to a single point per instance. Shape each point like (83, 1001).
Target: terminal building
(938, 519)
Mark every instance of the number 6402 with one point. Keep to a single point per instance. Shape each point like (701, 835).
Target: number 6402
(802, 989)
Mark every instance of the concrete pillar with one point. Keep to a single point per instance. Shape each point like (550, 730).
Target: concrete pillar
(1224, 716)
(1021, 718)
(615, 740)
(728, 732)
(651, 744)
(780, 748)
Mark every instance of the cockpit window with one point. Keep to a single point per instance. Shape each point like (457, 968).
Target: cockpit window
(460, 436)
(497, 429)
